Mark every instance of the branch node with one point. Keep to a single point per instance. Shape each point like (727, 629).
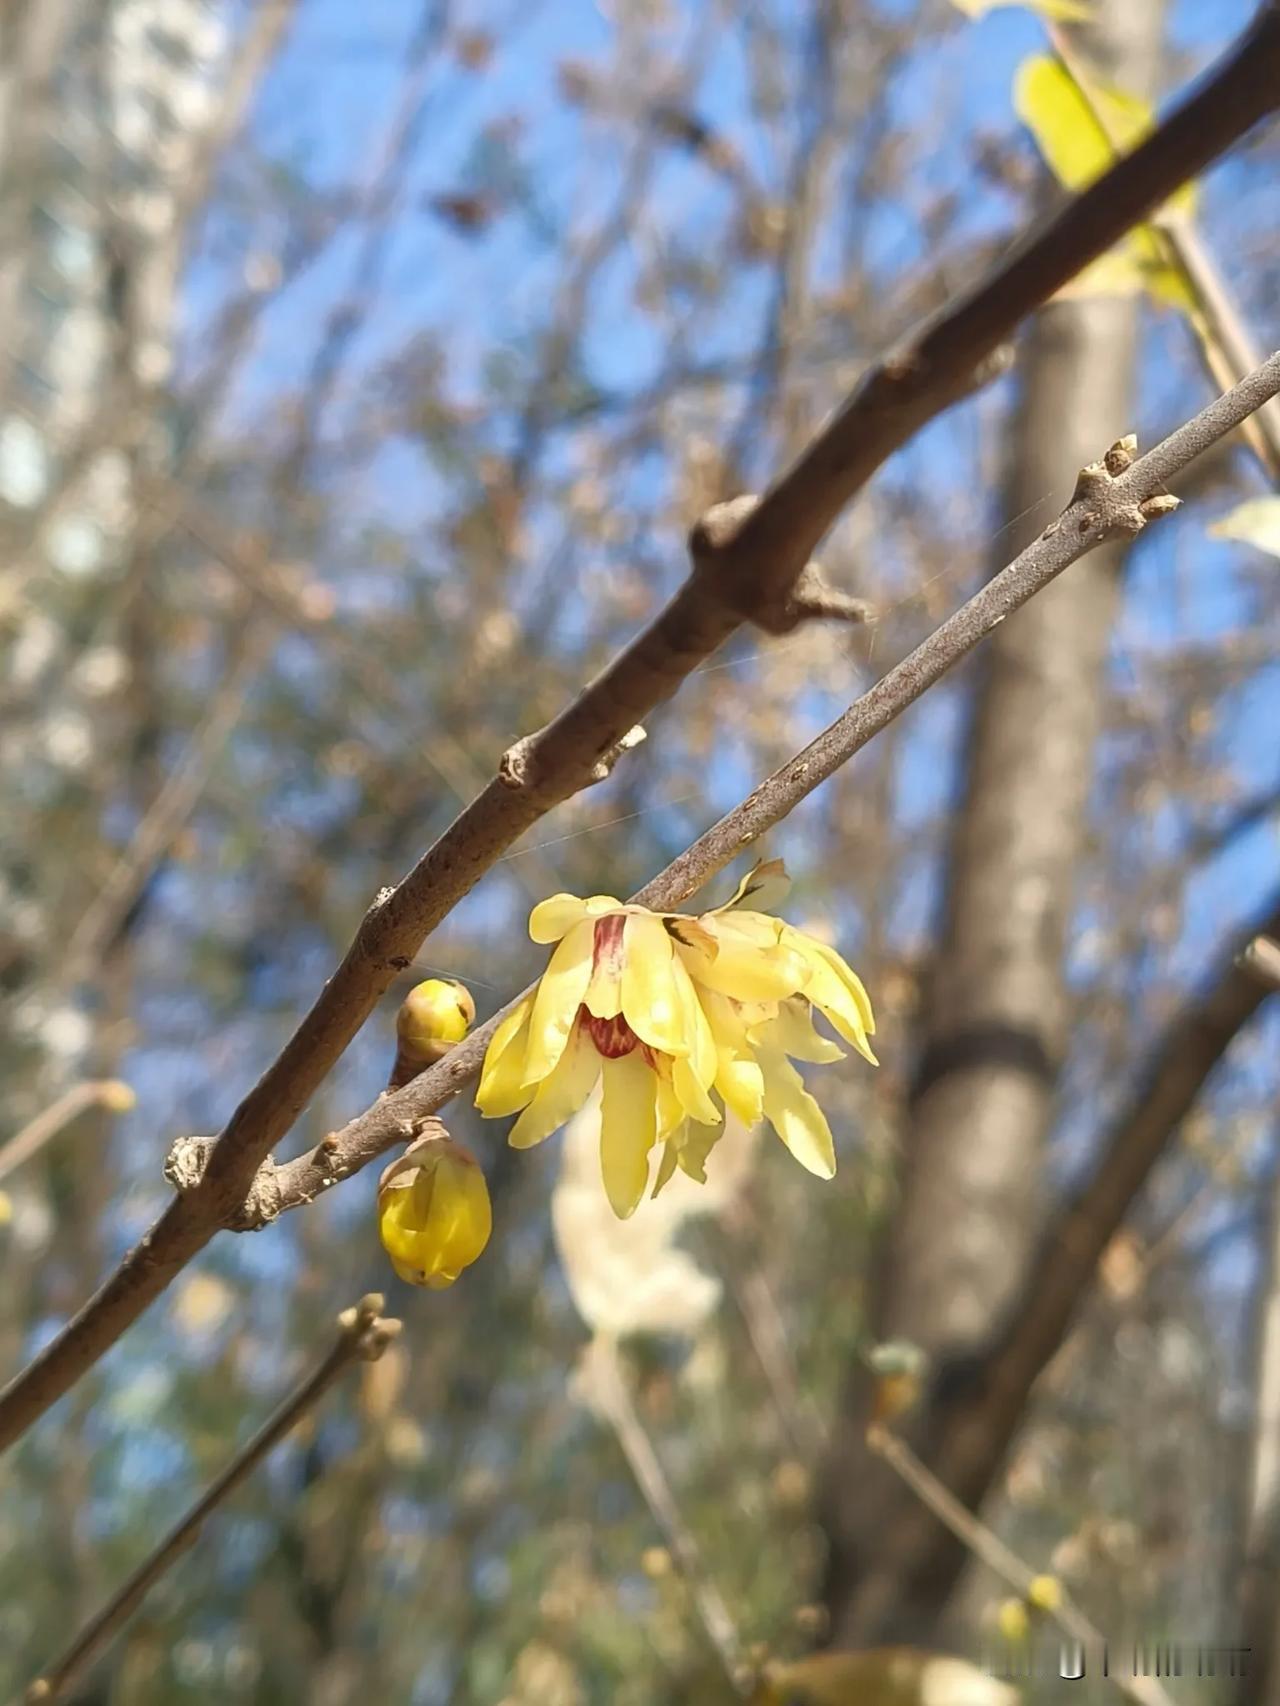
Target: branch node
(717, 528)
(1092, 484)
(186, 1161)
(513, 766)
(813, 598)
(366, 1326)
(264, 1201)
(604, 769)
(1121, 455)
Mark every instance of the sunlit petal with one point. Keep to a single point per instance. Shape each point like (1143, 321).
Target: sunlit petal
(604, 992)
(791, 1029)
(560, 1094)
(670, 1109)
(746, 969)
(795, 1116)
(740, 1085)
(628, 1125)
(737, 1080)
(502, 1086)
(852, 982)
(559, 995)
(651, 1002)
(765, 885)
(829, 991)
(555, 917)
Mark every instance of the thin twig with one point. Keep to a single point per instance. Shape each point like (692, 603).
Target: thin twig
(992, 1551)
(747, 560)
(607, 1386)
(363, 1335)
(96, 1092)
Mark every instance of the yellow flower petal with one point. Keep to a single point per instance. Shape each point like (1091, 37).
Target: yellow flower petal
(560, 1094)
(559, 995)
(651, 1002)
(833, 988)
(670, 1109)
(555, 917)
(693, 1152)
(791, 1030)
(745, 968)
(666, 1165)
(740, 1085)
(795, 1116)
(502, 1086)
(765, 884)
(852, 982)
(628, 1125)
(694, 1074)
(738, 1080)
(603, 999)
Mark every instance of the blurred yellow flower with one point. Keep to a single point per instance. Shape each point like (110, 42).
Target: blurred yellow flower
(681, 1018)
(433, 1212)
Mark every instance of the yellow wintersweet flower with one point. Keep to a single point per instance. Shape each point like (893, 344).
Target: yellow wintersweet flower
(681, 1018)
(433, 1212)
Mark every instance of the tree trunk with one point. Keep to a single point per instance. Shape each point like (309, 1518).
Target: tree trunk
(969, 1215)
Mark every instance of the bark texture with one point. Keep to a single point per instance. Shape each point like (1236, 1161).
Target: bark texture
(969, 1215)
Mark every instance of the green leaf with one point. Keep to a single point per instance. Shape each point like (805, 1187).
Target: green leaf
(1256, 523)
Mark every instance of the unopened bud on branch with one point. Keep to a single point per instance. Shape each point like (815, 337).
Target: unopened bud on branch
(433, 1017)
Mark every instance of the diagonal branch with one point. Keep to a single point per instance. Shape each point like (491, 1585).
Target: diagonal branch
(362, 1337)
(746, 563)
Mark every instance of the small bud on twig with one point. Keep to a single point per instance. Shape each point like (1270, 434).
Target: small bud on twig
(432, 1018)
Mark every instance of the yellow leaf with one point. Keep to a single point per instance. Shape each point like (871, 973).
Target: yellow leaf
(1059, 11)
(1256, 522)
(1071, 136)
(1080, 133)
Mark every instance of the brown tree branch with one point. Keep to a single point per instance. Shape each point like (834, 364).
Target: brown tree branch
(744, 572)
(362, 1337)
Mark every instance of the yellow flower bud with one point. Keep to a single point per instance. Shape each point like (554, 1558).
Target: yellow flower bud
(433, 1016)
(433, 1212)
(1045, 1593)
(1012, 1621)
(116, 1096)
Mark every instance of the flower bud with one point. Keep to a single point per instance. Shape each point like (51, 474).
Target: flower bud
(1044, 1593)
(433, 1212)
(433, 1016)
(1012, 1621)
